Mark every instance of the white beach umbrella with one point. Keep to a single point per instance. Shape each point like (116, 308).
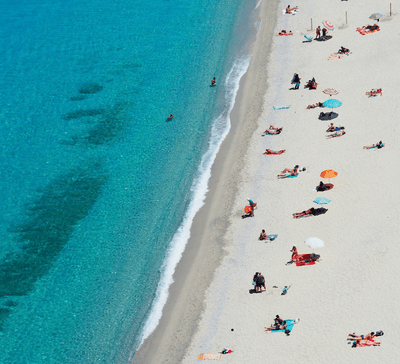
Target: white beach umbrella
(315, 243)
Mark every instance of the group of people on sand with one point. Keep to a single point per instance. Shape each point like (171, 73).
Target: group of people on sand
(318, 33)
(259, 282)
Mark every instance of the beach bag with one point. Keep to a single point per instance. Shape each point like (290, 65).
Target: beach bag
(379, 333)
(254, 283)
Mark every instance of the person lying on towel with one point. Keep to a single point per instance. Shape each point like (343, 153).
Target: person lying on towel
(271, 152)
(273, 130)
(371, 337)
(336, 134)
(289, 172)
(313, 106)
(372, 27)
(377, 145)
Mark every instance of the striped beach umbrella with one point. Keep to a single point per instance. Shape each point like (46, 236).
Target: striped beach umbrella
(328, 25)
(330, 91)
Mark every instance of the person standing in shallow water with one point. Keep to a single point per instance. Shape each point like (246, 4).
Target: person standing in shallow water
(213, 82)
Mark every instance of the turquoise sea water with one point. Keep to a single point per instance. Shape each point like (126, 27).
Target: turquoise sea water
(97, 189)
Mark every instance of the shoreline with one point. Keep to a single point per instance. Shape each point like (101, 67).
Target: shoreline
(206, 247)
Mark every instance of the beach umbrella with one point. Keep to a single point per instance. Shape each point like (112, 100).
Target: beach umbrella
(376, 16)
(328, 173)
(332, 103)
(328, 116)
(330, 91)
(315, 243)
(322, 200)
(328, 25)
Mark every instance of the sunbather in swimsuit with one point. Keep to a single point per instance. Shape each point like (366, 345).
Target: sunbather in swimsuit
(374, 92)
(343, 50)
(297, 215)
(289, 172)
(371, 337)
(294, 253)
(271, 132)
(318, 104)
(377, 145)
(272, 152)
(283, 327)
(263, 235)
(336, 134)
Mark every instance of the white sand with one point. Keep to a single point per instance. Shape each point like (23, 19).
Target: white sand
(353, 288)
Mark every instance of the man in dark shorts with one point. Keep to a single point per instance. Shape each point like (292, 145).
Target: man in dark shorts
(260, 282)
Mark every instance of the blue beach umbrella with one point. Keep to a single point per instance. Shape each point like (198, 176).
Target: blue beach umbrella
(322, 200)
(332, 103)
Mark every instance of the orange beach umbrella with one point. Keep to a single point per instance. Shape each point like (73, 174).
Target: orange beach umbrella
(328, 173)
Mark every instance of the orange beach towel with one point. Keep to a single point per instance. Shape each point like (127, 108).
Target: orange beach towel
(209, 356)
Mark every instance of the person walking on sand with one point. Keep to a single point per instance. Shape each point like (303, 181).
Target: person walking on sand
(318, 33)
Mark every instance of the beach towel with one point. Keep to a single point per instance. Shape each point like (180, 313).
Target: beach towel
(274, 152)
(289, 326)
(363, 30)
(334, 56)
(300, 264)
(272, 237)
(309, 39)
(209, 356)
(281, 34)
(281, 107)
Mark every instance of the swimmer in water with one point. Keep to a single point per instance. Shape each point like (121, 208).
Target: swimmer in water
(213, 82)
(170, 117)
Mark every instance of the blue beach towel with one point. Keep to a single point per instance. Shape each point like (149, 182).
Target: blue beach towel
(281, 107)
(289, 326)
(292, 176)
(309, 39)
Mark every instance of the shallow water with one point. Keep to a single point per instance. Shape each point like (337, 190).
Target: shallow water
(95, 182)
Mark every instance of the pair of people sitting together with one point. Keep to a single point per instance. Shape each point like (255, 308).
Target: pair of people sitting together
(378, 145)
(374, 92)
(273, 130)
(343, 50)
(279, 324)
(311, 84)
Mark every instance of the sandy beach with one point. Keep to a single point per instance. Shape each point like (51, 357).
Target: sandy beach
(352, 288)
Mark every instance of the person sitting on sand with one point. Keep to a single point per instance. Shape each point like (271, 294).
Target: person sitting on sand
(343, 50)
(263, 235)
(269, 151)
(278, 321)
(336, 134)
(321, 187)
(271, 328)
(297, 215)
(377, 145)
(332, 128)
(289, 9)
(371, 337)
(289, 172)
(294, 253)
(313, 106)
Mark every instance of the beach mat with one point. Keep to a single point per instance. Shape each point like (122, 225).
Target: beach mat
(299, 264)
(281, 107)
(289, 326)
(209, 356)
(272, 237)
